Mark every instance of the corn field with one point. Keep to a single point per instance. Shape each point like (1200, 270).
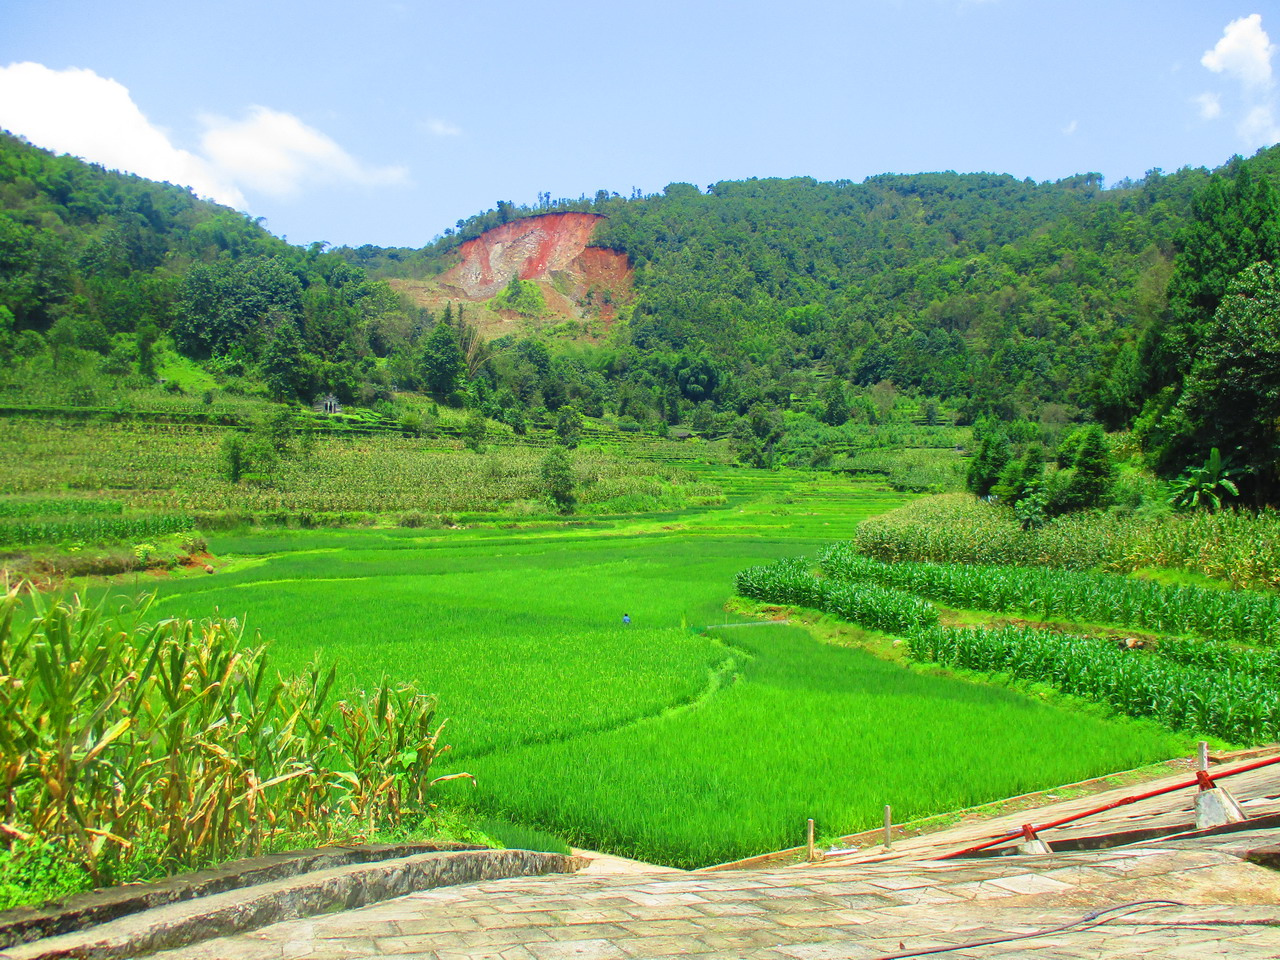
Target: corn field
(1094, 597)
(1235, 704)
(1215, 689)
(92, 529)
(172, 469)
(1236, 546)
(875, 607)
(172, 740)
(58, 507)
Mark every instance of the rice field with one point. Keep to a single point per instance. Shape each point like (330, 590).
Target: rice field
(689, 736)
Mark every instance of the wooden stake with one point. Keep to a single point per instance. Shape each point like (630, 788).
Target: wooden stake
(811, 856)
(1202, 758)
(888, 823)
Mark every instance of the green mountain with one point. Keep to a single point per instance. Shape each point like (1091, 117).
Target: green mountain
(989, 295)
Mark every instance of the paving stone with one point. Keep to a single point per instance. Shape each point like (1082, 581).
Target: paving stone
(577, 950)
(716, 909)
(846, 950)
(814, 914)
(1031, 883)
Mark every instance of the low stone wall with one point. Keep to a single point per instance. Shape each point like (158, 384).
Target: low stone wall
(129, 922)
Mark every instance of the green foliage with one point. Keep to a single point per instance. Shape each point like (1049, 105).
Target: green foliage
(474, 431)
(1087, 483)
(93, 261)
(987, 466)
(569, 426)
(57, 507)
(1205, 486)
(557, 479)
(872, 606)
(284, 367)
(233, 457)
(170, 469)
(521, 296)
(1230, 396)
(1236, 704)
(1085, 596)
(1234, 223)
(441, 362)
(1211, 364)
(37, 869)
(118, 729)
(89, 529)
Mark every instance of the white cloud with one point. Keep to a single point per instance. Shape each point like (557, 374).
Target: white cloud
(1259, 126)
(1244, 52)
(442, 128)
(278, 154)
(1210, 105)
(76, 111)
(1071, 128)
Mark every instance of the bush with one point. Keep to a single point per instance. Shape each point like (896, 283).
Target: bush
(475, 430)
(558, 480)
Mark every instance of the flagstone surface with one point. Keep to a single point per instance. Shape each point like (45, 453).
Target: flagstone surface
(1158, 902)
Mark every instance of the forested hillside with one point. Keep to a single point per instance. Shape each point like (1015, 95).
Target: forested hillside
(1006, 294)
(97, 267)
(974, 295)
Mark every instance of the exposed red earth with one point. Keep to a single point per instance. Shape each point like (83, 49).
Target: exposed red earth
(578, 282)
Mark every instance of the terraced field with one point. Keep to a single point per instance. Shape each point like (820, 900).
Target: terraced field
(684, 737)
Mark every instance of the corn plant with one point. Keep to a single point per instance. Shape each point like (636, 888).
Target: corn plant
(1232, 694)
(1238, 704)
(1238, 546)
(116, 728)
(875, 607)
(1095, 597)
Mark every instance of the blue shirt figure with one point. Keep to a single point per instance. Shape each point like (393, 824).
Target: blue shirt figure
(626, 619)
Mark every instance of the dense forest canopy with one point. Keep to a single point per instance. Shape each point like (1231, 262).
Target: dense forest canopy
(1007, 294)
(1001, 299)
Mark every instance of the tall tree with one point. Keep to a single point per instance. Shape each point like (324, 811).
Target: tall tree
(1231, 397)
(441, 361)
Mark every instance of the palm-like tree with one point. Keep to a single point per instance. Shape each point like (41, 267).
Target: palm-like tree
(1205, 486)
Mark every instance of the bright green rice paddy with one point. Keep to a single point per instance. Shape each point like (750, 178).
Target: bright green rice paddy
(658, 740)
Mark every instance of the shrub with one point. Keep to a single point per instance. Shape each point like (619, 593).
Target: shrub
(558, 480)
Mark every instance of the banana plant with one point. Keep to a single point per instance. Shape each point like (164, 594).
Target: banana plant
(1205, 486)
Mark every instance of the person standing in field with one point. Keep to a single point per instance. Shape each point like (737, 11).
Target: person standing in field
(626, 619)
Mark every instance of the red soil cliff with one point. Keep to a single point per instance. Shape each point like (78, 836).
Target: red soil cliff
(582, 284)
(534, 249)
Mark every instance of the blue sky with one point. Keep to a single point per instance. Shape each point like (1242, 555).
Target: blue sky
(385, 122)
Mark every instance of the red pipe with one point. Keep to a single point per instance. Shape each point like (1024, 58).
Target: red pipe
(1005, 838)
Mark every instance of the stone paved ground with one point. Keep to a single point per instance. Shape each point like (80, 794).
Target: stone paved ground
(1232, 909)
